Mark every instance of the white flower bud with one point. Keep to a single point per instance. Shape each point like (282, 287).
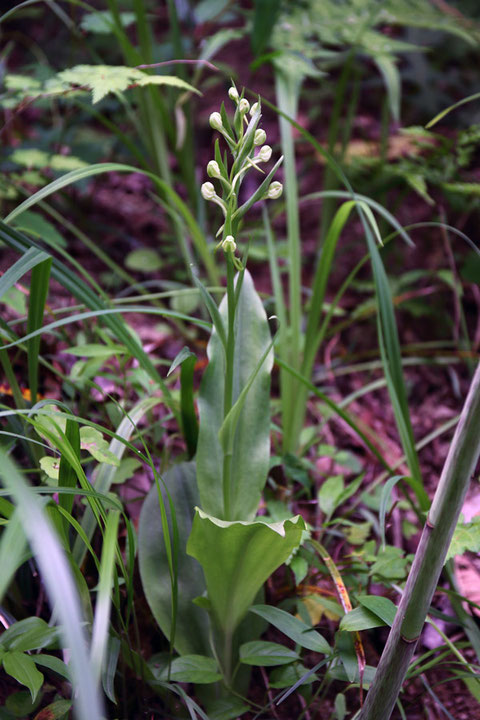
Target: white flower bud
(265, 154)
(213, 170)
(216, 121)
(275, 190)
(208, 191)
(254, 109)
(243, 106)
(260, 137)
(229, 244)
(233, 94)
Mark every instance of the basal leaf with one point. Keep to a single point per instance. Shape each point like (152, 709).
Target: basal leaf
(237, 558)
(192, 623)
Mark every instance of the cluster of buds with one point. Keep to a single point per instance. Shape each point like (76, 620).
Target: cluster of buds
(247, 144)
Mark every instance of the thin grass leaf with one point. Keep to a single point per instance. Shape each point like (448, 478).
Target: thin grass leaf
(213, 310)
(449, 109)
(13, 551)
(56, 575)
(32, 258)
(106, 473)
(85, 295)
(100, 630)
(39, 284)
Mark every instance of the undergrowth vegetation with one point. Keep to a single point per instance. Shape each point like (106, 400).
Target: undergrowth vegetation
(240, 290)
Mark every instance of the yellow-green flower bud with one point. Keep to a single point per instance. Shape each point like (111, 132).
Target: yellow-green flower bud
(254, 109)
(243, 106)
(260, 137)
(265, 154)
(208, 191)
(229, 244)
(275, 190)
(213, 169)
(233, 94)
(216, 121)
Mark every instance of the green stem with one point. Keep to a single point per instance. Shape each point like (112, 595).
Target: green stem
(228, 395)
(429, 558)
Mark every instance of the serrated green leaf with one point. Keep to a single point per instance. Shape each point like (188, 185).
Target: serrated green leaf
(105, 79)
(465, 538)
(266, 654)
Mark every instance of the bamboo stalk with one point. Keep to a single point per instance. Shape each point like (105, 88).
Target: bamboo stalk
(429, 559)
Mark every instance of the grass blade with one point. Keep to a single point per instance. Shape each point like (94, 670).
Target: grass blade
(38, 295)
(60, 587)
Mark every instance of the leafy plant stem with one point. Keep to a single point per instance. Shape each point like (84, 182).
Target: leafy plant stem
(229, 360)
(429, 558)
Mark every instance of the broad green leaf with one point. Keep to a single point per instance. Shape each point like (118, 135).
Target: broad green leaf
(381, 606)
(227, 708)
(20, 705)
(360, 619)
(39, 227)
(192, 624)
(288, 675)
(196, 669)
(50, 466)
(292, 627)
(145, 260)
(54, 711)
(251, 443)
(126, 470)
(266, 654)
(329, 494)
(22, 668)
(102, 22)
(55, 664)
(237, 558)
(34, 158)
(33, 633)
(93, 442)
(466, 537)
